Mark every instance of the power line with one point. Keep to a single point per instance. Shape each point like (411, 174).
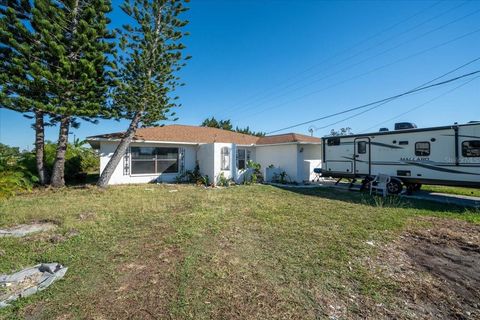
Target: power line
(369, 72)
(385, 102)
(379, 101)
(353, 46)
(421, 105)
(263, 97)
(361, 62)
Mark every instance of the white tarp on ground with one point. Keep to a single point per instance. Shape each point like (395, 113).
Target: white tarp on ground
(28, 281)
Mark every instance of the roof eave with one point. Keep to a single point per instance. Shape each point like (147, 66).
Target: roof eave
(90, 140)
(286, 143)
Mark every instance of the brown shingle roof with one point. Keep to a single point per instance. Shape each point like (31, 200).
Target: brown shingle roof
(183, 133)
(286, 138)
(194, 134)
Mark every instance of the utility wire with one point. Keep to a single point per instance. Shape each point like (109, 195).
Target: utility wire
(262, 94)
(358, 63)
(385, 102)
(379, 101)
(421, 105)
(369, 72)
(348, 49)
(282, 88)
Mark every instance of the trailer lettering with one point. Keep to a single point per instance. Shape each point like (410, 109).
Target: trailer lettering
(419, 159)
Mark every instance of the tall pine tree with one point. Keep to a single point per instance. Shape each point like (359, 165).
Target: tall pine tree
(56, 63)
(151, 57)
(20, 89)
(75, 32)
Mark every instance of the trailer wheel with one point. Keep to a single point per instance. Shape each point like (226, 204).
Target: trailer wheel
(394, 186)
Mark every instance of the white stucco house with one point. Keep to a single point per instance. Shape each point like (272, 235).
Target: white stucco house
(162, 153)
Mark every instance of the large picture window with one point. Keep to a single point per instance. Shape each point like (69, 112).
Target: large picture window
(471, 148)
(225, 158)
(243, 155)
(422, 149)
(148, 160)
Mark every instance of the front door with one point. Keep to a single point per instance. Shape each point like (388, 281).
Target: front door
(362, 156)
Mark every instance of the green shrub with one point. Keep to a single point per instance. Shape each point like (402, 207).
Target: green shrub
(12, 182)
(223, 181)
(14, 175)
(194, 176)
(282, 178)
(18, 169)
(255, 174)
(79, 160)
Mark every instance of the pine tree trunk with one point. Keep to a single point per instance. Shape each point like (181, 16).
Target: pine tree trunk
(119, 152)
(58, 174)
(40, 147)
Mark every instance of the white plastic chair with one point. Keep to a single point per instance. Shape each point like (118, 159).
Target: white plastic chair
(380, 183)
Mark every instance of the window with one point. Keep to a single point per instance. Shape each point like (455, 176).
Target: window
(225, 158)
(422, 149)
(471, 148)
(148, 160)
(243, 155)
(403, 143)
(362, 147)
(333, 141)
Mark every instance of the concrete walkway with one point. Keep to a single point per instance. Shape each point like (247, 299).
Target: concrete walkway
(463, 201)
(459, 200)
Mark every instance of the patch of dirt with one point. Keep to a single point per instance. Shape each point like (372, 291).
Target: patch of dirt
(59, 238)
(437, 271)
(52, 237)
(87, 216)
(143, 284)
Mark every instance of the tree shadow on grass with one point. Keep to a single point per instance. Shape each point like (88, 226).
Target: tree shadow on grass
(364, 198)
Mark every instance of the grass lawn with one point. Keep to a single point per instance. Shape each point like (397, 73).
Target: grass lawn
(248, 252)
(473, 192)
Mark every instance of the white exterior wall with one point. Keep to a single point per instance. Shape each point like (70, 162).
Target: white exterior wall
(286, 157)
(108, 148)
(217, 161)
(206, 160)
(283, 156)
(310, 157)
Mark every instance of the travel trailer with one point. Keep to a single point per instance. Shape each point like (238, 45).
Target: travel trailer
(448, 155)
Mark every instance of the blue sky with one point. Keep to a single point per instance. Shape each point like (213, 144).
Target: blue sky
(272, 64)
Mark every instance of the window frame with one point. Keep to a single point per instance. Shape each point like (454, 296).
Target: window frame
(463, 148)
(364, 149)
(155, 160)
(333, 141)
(224, 156)
(429, 149)
(247, 153)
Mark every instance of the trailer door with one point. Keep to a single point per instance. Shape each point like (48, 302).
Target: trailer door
(362, 156)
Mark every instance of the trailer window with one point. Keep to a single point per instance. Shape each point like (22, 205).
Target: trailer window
(333, 141)
(471, 148)
(362, 147)
(422, 149)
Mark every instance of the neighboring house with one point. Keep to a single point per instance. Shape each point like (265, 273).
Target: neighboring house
(163, 153)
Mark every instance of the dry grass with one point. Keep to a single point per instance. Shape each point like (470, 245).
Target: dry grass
(255, 252)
